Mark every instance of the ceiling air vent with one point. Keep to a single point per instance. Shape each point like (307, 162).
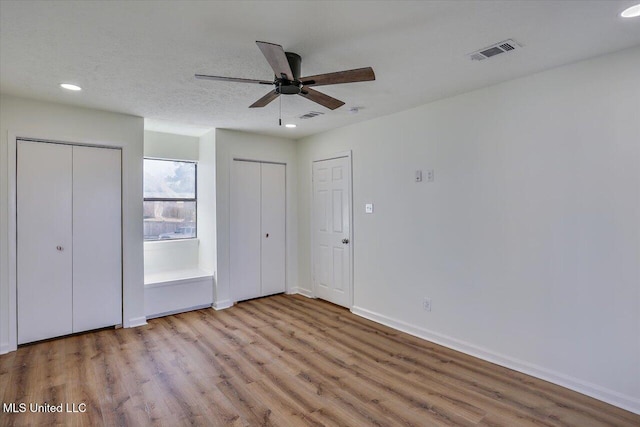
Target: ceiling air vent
(311, 115)
(496, 49)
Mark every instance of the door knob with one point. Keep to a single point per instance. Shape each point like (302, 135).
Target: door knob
(266, 235)
(59, 248)
(345, 241)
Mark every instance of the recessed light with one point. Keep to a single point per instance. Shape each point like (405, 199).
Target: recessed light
(631, 12)
(69, 86)
(290, 125)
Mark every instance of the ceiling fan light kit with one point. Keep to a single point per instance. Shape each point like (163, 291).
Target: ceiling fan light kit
(287, 80)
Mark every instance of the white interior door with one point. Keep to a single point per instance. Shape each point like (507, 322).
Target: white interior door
(245, 240)
(273, 222)
(332, 230)
(97, 247)
(44, 242)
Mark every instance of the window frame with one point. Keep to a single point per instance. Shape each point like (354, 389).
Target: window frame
(176, 199)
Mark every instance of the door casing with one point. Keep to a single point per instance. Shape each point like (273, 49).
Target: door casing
(348, 155)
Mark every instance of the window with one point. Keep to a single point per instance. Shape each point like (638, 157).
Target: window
(169, 199)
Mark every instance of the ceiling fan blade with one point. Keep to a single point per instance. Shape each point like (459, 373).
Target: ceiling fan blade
(348, 76)
(232, 79)
(265, 99)
(277, 59)
(321, 98)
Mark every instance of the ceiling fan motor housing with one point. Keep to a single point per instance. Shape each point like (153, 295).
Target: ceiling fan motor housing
(294, 62)
(285, 86)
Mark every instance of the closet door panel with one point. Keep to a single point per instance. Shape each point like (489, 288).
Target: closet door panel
(273, 228)
(245, 230)
(97, 259)
(44, 243)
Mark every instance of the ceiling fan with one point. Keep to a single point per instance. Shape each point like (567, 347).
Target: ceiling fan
(287, 80)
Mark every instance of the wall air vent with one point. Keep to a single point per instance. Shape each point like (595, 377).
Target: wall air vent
(496, 49)
(311, 115)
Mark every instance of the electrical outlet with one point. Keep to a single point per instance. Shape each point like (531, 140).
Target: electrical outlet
(426, 304)
(430, 175)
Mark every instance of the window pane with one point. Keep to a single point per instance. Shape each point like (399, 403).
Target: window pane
(169, 220)
(166, 179)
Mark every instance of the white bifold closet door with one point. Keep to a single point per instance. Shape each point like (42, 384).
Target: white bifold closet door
(245, 231)
(97, 234)
(69, 272)
(257, 240)
(272, 209)
(44, 255)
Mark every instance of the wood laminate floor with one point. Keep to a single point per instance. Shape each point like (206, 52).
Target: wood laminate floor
(281, 361)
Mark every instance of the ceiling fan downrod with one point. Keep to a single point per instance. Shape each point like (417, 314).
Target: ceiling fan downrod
(280, 116)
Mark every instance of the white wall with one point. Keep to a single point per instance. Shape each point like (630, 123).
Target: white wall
(28, 118)
(233, 144)
(528, 241)
(207, 202)
(163, 256)
(162, 145)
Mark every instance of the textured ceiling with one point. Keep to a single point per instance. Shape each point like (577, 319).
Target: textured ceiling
(139, 57)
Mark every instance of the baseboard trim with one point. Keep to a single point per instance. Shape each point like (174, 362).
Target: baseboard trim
(601, 393)
(178, 311)
(5, 348)
(137, 321)
(304, 292)
(221, 305)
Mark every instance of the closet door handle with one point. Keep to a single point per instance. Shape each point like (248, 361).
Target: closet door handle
(345, 241)
(266, 235)
(59, 248)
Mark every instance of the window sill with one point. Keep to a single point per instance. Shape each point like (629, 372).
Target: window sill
(175, 277)
(169, 241)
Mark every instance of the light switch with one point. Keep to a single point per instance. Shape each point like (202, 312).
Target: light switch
(418, 176)
(368, 208)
